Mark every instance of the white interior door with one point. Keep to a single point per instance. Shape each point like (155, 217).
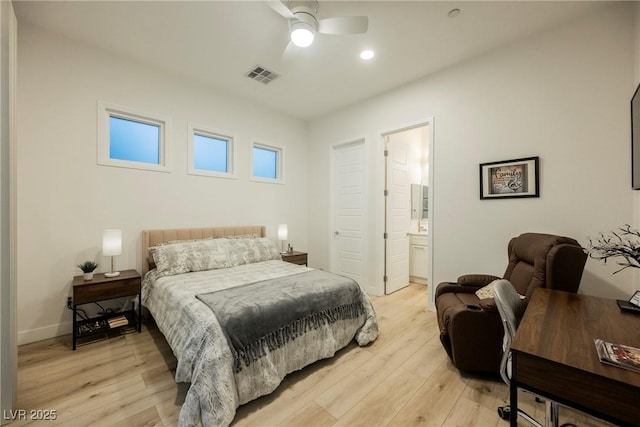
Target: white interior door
(348, 176)
(398, 214)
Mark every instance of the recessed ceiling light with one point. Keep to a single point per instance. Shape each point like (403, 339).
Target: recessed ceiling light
(454, 12)
(366, 54)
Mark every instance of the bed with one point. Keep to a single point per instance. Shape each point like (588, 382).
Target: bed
(239, 319)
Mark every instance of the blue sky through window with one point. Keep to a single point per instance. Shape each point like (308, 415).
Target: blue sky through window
(134, 141)
(210, 153)
(265, 163)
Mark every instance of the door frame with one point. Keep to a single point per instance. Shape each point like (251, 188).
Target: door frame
(379, 201)
(332, 208)
(8, 216)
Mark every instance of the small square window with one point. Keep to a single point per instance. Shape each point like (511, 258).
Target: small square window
(267, 163)
(210, 153)
(130, 139)
(134, 141)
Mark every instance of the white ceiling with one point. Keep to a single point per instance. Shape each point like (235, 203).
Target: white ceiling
(218, 42)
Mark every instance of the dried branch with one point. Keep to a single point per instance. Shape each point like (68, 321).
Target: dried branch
(623, 242)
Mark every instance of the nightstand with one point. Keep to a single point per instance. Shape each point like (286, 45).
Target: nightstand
(295, 257)
(102, 288)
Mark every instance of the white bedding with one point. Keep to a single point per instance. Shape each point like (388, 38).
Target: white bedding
(204, 357)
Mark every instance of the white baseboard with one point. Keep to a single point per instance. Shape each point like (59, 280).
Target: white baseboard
(43, 333)
(57, 329)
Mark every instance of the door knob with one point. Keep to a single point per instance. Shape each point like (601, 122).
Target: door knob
(336, 233)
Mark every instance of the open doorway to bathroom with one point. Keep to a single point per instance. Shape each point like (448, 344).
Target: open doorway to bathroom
(406, 207)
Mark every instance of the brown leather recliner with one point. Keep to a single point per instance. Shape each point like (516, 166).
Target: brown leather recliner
(470, 328)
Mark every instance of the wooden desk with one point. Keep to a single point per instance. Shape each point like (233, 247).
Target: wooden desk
(553, 355)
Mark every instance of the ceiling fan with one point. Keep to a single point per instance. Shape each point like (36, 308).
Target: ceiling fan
(304, 25)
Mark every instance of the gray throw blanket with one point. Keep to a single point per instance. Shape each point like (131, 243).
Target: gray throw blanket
(272, 312)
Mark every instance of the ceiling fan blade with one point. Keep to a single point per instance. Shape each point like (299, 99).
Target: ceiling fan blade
(344, 25)
(281, 9)
(290, 53)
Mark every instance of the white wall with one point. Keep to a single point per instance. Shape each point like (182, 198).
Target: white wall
(8, 352)
(562, 95)
(636, 79)
(65, 200)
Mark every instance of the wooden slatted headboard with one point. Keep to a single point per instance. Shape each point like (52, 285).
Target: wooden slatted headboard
(155, 237)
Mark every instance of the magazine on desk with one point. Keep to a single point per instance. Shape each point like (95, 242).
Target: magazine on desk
(619, 355)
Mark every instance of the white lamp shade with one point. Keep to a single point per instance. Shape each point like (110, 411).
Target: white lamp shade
(112, 242)
(282, 232)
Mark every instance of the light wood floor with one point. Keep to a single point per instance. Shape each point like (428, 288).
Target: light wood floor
(403, 379)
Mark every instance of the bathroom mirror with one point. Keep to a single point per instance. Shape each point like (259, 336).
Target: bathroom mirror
(419, 201)
(425, 201)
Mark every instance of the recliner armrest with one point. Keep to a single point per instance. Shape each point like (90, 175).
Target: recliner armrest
(466, 284)
(488, 304)
(476, 280)
(447, 287)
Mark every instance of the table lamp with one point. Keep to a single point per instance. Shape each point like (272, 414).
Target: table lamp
(282, 236)
(112, 246)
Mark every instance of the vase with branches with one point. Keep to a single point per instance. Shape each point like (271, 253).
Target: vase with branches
(623, 243)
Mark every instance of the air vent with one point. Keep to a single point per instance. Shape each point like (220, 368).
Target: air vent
(262, 75)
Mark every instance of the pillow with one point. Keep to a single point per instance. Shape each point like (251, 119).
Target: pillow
(173, 242)
(243, 236)
(266, 250)
(150, 259)
(200, 255)
(247, 251)
(487, 292)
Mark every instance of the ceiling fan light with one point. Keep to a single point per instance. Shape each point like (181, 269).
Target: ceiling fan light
(367, 54)
(302, 34)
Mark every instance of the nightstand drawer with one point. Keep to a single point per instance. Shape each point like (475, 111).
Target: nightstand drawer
(295, 258)
(100, 291)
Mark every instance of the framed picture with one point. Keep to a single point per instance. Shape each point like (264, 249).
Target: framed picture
(509, 179)
(635, 299)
